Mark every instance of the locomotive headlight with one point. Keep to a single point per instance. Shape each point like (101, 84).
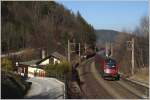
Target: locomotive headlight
(107, 71)
(113, 66)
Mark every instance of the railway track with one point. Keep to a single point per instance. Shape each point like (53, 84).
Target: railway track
(95, 87)
(90, 87)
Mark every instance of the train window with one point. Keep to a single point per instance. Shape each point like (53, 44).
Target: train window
(110, 63)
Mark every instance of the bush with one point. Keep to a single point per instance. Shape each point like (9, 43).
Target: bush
(6, 64)
(57, 70)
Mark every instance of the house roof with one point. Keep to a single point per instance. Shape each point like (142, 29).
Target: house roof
(58, 55)
(32, 62)
(55, 55)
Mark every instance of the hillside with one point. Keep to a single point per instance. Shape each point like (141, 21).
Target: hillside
(103, 36)
(38, 24)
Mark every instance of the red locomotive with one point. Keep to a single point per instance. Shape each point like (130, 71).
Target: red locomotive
(107, 67)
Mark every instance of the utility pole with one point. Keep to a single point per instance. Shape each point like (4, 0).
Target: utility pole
(131, 48)
(79, 53)
(132, 56)
(111, 48)
(85, 48)
(106, 46)
(68, 51)
(141, 51)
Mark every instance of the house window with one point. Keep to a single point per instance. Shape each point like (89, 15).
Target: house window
(56, 62)
(51, 60)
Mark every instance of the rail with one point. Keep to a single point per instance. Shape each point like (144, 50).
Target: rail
(140, 86)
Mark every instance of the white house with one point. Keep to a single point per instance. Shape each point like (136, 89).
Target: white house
(52, 59)
(30, 69)
(35, 67)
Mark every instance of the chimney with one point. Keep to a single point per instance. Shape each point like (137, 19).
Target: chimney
(43, 53)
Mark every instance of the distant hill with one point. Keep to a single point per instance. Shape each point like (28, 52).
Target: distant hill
(103, 36)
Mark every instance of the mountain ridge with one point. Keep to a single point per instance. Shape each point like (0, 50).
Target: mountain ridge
(106, 35)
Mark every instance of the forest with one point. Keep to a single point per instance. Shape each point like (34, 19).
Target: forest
(122, 53)
(49, 25)
(39, 24)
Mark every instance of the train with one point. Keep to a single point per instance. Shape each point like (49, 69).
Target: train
(106, 66)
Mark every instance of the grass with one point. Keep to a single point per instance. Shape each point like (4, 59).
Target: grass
(142, 75)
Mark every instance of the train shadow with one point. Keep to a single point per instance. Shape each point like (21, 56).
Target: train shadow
(111, 79)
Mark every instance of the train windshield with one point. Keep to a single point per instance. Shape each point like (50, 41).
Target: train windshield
(110, 63)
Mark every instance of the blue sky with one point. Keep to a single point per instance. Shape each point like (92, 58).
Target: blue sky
(116, 15)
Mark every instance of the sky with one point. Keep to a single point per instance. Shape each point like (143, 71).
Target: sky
(116, 15)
